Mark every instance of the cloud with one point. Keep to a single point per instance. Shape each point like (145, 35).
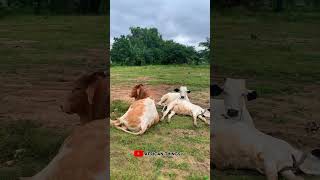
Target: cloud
(184, 21)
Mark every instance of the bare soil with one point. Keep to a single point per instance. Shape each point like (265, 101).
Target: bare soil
(37, 93)
(157, 91)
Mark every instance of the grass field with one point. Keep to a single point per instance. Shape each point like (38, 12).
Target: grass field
(279, 55)
(40, 57)
(177, 136)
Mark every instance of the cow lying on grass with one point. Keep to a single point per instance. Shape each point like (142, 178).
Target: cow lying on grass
(179, 103)
(83, 155)
(239, 145)
(88, 97)
(181, 93)
(141, 115)
(183, 107)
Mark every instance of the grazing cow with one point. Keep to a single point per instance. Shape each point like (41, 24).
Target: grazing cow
(239, 145)
(89, 97)
(141, 115)
(83, 155)
(166, 99)
(185, 107)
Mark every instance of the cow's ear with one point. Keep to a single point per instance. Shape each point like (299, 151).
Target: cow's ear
(188, 91)
(90, 92)
(215, 90)
(252, 95)
(316, 153)
(92, 83)
(176, 90)
(138, 91)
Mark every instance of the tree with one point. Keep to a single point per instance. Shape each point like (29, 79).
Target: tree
(205, 53)
(145, 46)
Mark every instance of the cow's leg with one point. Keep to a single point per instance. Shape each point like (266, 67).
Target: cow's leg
(166, 112)
(289, 175)
(115, 122)
(195, 120)
(170, 115)
(270, 170)
(163, 109)
(204, 119)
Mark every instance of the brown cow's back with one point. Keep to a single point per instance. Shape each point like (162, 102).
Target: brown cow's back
(82, 156)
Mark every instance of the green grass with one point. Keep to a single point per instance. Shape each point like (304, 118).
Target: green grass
(39, 146)
(42, 41)
(196, 77)
(177, 136)
(286, 52)
(38, 47)
(283, 59)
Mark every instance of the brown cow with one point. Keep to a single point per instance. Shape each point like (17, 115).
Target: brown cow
(141, 115)
(89, 97)
(83, 155)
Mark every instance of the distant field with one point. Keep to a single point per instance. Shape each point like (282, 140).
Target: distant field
(178, 136)
(195, 76)
(279, 55)
(40, 57)
(276, 50)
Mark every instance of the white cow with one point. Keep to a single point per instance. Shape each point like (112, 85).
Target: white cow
(185, 107)
(181, 93)
(239, 145)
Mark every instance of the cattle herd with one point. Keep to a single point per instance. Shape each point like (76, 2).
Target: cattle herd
(237, 144)
(143, 113)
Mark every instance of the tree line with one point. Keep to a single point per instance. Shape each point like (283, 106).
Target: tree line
(54, 6)
(145, 46)
(274, 5)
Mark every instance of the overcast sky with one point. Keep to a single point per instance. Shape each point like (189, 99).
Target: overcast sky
(184, 21)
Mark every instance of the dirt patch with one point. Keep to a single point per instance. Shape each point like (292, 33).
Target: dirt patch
(157, 91)
(286, 117)
(37, 97)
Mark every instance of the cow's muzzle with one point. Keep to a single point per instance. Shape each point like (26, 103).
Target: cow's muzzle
(182, 97)
(232, 112)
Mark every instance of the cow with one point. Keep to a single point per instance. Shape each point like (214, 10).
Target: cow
(141, 114)
(185, 107)
(238, 144)
(83, 155)
(234, 104)
(88, 98)
(180, 93)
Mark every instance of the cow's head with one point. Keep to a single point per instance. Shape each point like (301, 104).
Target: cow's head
(235, 93)
(183, 92)
(87, 97)
(139, 92)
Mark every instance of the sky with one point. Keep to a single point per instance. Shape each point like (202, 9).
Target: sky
(184, 21)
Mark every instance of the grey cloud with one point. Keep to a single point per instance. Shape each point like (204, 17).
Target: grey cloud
(185, 21)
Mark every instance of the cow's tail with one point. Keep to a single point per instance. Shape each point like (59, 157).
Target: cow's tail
(125, 130)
